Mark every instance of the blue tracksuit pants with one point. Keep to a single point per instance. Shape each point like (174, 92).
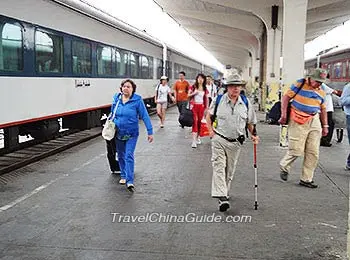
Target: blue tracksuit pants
(125, 150)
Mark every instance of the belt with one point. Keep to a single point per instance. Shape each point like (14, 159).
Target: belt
(231, 140)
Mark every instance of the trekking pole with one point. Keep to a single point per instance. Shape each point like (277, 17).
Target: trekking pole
(255, 173)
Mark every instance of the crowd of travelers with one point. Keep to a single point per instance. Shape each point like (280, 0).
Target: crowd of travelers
(226, 115)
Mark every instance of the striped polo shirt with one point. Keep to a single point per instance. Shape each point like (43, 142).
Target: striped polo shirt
(308, 100)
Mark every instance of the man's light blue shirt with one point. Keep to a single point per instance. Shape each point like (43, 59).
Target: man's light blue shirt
(345, 99)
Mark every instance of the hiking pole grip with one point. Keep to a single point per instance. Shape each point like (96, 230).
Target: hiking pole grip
(255, 147)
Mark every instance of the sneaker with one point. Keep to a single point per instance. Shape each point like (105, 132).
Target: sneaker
(161, 126)
(309, 184)
(284, 175)
(122, 181)
(115, 172)
(194, 145)
(347, 167)
(130, 187)
(224, 205)
(199, 141)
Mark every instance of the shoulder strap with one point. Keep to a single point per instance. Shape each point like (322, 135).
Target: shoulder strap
(115, 109)
(157, 94)
(245, 100)
(302, 85)
(218, 99)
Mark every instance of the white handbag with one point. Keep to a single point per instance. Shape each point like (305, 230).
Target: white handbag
(108, 131)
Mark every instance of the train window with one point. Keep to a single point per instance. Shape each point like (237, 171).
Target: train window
(169, 70)
(134, 66)
(344, 69)
(150, 59)
(337, 69)
(192, 73)
(48, 52)
(81, 56)
(159, 68)
(104, 60)
(144, 67)
(11, 47)
(330, 71)
(122, 63)
(176, 70)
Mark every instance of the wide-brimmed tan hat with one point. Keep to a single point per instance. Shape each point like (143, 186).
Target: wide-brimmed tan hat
(235, 79)
(319, 75)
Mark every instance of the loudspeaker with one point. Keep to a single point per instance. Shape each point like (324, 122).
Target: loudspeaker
(274, 17)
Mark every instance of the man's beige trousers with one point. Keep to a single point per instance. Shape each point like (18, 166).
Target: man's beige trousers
(224, 159)
(304, 140)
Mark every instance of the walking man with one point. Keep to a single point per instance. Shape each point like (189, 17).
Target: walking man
(327, 140)
(308, 122)
(230, 117)
(181, 88)
(345, 101)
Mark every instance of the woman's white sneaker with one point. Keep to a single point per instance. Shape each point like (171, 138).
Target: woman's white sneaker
(194, 145)
(199, 141)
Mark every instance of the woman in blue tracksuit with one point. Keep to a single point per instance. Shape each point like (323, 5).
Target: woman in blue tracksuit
(130, 108)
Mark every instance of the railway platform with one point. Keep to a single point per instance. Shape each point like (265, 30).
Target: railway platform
(69, 206)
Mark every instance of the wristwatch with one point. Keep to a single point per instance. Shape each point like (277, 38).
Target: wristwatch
(325, 126)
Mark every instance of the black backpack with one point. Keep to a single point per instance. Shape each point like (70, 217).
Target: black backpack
(186, 116)
(275, 113)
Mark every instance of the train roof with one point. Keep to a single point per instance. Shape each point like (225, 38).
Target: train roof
(99, 15)
(339, 50)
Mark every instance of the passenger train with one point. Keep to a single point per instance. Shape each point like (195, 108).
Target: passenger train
(337, 63)
(66, 59)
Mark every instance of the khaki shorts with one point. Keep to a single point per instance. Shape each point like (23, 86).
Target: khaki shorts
(163, 105)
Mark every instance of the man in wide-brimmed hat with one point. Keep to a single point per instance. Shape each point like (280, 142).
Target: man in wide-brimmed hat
(230, 113)
(307, 123)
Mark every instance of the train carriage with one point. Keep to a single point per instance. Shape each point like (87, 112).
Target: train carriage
(66, 59)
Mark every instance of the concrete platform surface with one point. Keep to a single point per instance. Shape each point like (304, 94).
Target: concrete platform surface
(69, 206)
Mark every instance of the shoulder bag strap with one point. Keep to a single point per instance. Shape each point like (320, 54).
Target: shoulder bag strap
(115, 109)
(302, 85)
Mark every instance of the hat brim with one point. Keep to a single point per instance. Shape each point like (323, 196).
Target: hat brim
(318, 79)
(235, 83)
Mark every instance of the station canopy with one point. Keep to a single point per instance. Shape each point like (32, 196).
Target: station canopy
(232, 29)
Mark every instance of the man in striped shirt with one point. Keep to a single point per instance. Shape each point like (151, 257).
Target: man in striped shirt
(308, 122)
